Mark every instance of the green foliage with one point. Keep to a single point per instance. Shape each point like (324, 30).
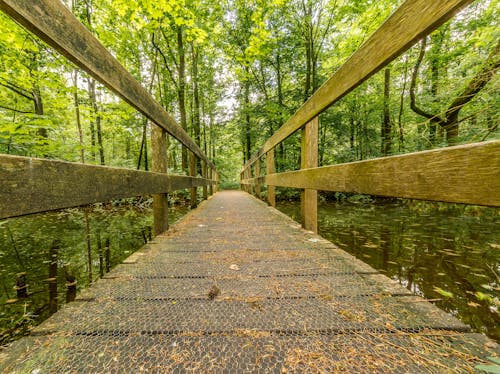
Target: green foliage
(257, 62)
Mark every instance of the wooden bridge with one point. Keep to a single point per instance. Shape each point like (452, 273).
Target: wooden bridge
(236, 285)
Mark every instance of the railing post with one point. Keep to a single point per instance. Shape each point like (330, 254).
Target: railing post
(309, 159)
(247, 176)
(244, 174)
(211, 185)
(204, 175)
(270, 169)
(257, 174)
(192, 172)
(159, 165)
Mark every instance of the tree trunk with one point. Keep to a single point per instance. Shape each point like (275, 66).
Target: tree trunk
(89, 245)
(53, 253)
(401, 108)
(196, 104)
(78, 117)
(386, 130)
(91, 88)
(182, 90)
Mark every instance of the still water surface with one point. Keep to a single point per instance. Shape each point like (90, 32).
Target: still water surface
(44, 258)
(445, 252)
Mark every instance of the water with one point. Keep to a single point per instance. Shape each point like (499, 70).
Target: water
(445, 252)
(50, 249)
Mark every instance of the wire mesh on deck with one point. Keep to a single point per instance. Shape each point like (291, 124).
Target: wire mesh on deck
(285, 301)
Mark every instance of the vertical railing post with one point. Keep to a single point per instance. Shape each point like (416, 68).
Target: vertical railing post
(309, 159)
(257, 174)
(192, 172)
(245, 174)
(211, 185)
(204, 175)
(251, 185)
(159, 165)
(270, 169)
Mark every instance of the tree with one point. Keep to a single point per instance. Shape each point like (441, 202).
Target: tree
(449, 119)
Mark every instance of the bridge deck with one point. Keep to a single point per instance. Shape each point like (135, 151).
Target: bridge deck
(289, 301)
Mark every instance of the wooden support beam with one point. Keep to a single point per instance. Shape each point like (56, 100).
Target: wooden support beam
(270, 169)
(211, 185)
(257, 185)
(309, 159)
(31, 185)
(159, 165)
(408, 24)
(468, 174)
(192, 172)
(57, 26)
(204, 175)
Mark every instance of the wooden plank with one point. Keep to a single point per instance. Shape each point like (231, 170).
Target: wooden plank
(270, 169)
(211, 185)
(192, 171)
(309, 159)
(56, 25)
(409, 23)
(204, 175)
(257, 185)
(159, 165)
(31, 185)
(467, 174)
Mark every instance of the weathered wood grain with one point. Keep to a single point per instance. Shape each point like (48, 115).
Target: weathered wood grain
(309, 159)
(467, 174)
(192, 172)
(270, 169)
(410, 22)
(257, 185)
(56, 25)
(159, 162)
(30, 185)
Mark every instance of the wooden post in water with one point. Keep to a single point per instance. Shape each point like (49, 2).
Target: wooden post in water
(270, 169)
(159, 165)
(309, 159)
(257, 174)
(204, 175)
(192, 172)
(53, 254)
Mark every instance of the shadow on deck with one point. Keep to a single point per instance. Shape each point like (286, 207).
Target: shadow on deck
(238, 286)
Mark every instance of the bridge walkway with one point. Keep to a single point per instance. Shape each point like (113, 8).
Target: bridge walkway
(238, 287)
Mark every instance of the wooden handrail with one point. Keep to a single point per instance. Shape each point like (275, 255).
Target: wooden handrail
(32, 185)
(464, 174)
(58, 27)
(467, 174)
(409, 23)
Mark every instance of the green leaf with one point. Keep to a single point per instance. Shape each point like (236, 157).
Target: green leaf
(443, 292)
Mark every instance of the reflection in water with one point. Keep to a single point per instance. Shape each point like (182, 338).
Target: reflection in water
(446, 252)
(46, 258)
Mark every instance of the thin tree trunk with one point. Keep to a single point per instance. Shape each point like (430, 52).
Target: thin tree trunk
(182, 91)
(91, 88)
(53, 254)
(89, 245)
(387, 124)
(196, 103)
(401, 108)
(78, 117)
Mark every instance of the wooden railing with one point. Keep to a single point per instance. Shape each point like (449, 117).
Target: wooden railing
(462, 174)
(29, 185)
